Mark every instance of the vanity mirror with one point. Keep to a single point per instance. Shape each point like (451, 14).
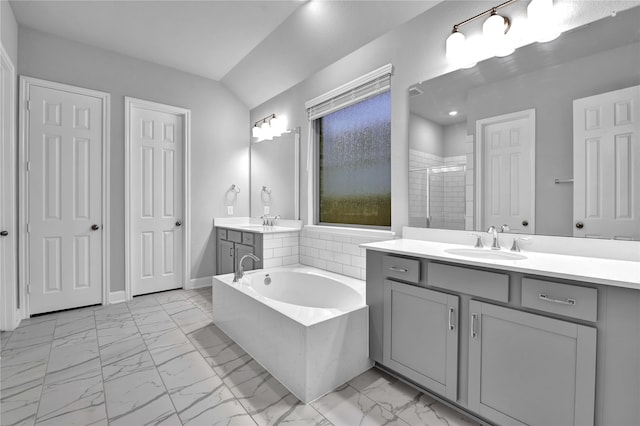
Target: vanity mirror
(275, 176)
(514, 141)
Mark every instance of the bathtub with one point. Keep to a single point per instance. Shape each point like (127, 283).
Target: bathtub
(307, 327)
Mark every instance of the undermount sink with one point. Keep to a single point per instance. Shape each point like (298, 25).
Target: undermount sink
(485, 254)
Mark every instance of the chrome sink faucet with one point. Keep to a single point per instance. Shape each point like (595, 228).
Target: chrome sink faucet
(495, 244)
(240, 271)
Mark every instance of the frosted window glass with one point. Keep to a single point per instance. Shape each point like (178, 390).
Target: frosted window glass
(355, 164)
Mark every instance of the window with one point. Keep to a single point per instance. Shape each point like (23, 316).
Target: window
(353, 161)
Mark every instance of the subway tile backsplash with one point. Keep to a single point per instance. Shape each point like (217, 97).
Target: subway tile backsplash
(339, 253)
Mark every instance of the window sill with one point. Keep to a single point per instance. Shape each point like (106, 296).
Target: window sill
(358, 232)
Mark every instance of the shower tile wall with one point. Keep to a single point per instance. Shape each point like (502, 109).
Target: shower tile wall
(451, 196)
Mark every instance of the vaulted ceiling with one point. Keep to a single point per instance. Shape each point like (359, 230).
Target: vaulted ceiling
(256, 48)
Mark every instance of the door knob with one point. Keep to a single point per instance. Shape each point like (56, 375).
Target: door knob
(178, 223)
(4, 233)
(95, 227)
(579, 225)
(525, 223)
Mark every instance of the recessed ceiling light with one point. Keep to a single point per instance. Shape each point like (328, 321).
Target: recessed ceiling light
(453, 113)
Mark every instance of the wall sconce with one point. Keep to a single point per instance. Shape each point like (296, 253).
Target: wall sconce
(269, 127)
(494, 40)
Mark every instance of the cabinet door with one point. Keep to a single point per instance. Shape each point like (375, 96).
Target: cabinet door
(421, 336)
(530, 369)
(226, 258)
(241, 250)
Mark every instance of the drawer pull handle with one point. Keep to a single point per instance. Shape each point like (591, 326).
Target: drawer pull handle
(451, 326)
(543, 296)
(396, 269)
(473, 326)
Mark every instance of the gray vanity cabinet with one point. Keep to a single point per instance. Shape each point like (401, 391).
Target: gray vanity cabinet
(421, 336)
(530, 369)
(232, 245)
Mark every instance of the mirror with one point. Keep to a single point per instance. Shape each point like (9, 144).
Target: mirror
(275, 176)
(506, 156)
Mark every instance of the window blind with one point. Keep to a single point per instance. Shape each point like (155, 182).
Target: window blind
(364, 87)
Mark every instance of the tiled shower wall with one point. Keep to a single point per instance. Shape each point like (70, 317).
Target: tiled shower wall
(339, 253)
(451, 195)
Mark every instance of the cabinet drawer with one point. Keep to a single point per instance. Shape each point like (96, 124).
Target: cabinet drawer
(235, 236)
(563, 299)
(222, 234)
(401, 268)
(247, 238)
(489, 285)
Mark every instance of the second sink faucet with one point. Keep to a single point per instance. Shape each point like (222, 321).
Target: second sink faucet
(495, 244)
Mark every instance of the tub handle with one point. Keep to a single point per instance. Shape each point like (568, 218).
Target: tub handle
(451, 312)
(396, 269)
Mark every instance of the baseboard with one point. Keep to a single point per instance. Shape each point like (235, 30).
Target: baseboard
(199, 283)
(117, 297)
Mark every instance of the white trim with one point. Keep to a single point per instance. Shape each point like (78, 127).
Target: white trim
(296, 179)
(23, 191)
(377, 73)
(117, 297)
(529, 114)
(199, 283)
(10, 316)
(130, 102)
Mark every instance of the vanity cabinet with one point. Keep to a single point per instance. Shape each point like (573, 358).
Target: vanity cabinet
(511, 348)
(421, 336)
(231, 245)
(529, 369)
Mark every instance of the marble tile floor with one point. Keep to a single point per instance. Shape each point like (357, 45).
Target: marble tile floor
(160, 360)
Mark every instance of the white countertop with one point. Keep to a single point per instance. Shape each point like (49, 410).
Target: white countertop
(248, 224)
(618, 273)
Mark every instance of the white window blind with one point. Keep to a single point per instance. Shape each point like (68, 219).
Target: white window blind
(364, 87)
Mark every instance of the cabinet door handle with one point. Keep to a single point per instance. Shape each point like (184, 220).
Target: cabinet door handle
(396, 269)
(546, 297)
(231, 251)
(451, 326)
(473, 326)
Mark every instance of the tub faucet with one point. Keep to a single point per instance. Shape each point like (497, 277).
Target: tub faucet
(495, 244)
(240, 271)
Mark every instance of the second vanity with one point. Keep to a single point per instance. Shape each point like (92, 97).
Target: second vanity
(538, 338)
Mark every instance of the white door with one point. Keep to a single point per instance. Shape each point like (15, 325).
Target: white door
(64, 183)
(506, 172)
(156, 198)
(606, 165)
(8, 201)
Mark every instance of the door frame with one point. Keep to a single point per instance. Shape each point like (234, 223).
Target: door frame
(529, 114)
(10, 317)
(129, 104)
(23, 191)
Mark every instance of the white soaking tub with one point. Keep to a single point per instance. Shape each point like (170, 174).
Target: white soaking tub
(307, 327)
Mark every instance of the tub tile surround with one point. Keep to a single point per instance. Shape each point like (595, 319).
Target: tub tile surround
(137, 364)
(337, 251)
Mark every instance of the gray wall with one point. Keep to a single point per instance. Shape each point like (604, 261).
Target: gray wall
(551, 92)
(455, 136)
(219, 135)
(9, 31)
(416, 50)
(425, 135)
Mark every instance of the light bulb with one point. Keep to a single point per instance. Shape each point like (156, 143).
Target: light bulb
(542, 20)
(265, 131)
(494, 26)
(455, 46)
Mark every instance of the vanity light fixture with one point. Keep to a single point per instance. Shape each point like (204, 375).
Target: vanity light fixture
(269, 127)
(494, 40)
